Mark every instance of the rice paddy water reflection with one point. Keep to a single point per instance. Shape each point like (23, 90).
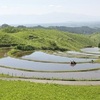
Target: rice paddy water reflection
(42, 66)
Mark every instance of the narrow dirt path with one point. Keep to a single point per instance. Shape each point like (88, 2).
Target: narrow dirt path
(55, 81)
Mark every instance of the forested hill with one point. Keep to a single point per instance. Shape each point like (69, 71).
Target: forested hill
(83, 29)
(79, 30)
(45, 39)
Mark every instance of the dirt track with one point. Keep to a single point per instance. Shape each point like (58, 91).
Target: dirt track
(55, 81)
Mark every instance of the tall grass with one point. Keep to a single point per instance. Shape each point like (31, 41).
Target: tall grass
(18, 90)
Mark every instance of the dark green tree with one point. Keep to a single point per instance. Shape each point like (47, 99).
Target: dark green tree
(99, 45)
(4, 25)
(10, 29)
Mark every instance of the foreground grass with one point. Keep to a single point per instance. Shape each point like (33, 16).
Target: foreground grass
(18, 90)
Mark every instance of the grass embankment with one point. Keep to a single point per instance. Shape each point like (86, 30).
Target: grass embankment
(19, 90)
(97, 61)
(5, 76)
(18, 53)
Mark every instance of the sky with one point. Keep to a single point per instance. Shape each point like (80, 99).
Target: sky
(48, 11)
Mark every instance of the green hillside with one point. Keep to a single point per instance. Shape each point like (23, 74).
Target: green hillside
(95, 37)
(9, 39)
(47, 39)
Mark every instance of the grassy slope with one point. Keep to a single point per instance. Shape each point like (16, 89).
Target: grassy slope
(47, 38)
(95, 37)
(6, 38)
(17, 90)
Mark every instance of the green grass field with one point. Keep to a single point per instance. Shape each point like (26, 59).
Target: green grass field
(18, 90)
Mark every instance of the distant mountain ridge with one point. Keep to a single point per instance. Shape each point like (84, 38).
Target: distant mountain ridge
(83, 29)
(78, 30)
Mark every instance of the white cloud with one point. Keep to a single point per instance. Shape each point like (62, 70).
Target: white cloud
(56, 6)
(3, 7)
(42, 10)
(23, 10)
(51, 5)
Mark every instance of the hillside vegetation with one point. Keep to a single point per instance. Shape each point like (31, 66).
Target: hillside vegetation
(95, 37)
(46, 39)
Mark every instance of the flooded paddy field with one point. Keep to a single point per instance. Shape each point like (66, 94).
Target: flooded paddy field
(44, 66)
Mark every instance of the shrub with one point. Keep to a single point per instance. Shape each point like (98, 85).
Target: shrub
(25, 47)
(99, 45)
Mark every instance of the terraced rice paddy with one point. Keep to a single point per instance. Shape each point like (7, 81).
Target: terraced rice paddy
(54, 66)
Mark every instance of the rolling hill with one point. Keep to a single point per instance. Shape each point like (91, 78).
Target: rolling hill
(48, 39)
